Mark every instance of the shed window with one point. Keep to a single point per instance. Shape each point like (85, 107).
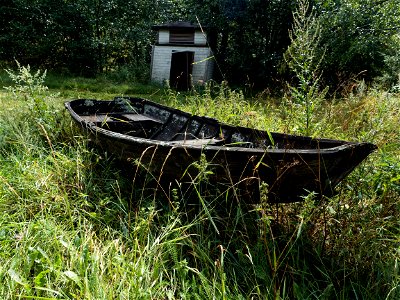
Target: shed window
(179, 36)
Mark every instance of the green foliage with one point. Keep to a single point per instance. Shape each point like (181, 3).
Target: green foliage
(390, 79)
(219, 101)
(46, 34)
(81, 37)
(76, 228)
(303, 59)
(249, 38)
(30, 88)
(27, 85)
(357, 35)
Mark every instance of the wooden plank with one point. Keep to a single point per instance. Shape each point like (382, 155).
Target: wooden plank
(198, 142)
(139, 118)
(97, 118)
(107, 118)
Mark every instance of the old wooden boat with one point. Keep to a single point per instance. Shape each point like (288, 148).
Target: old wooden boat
(167, 141)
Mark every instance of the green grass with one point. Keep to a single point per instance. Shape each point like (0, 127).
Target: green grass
(74, 225)
(102, 87)
(75, 85)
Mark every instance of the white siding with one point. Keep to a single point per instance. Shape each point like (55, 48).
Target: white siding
(161, 63)
(163, 37)
(199, 38)
(201, 64)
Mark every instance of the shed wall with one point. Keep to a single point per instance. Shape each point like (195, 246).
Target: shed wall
(163, 36)
(161, 63)
(199, 38)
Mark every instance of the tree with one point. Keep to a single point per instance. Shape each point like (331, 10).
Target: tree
(357, 34)
(249, 37)
(49, 33)
(84, 37)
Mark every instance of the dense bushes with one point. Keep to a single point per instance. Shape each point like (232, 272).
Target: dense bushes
(358, 37)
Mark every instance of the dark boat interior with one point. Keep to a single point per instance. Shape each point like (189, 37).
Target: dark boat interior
(145, 119)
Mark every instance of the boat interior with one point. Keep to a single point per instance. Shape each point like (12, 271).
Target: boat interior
(152, 121)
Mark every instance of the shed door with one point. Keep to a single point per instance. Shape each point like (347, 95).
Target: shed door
(181, 70)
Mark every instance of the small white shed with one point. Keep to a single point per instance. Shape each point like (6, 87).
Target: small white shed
(181, 55)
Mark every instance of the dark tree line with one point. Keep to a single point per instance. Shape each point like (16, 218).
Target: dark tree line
(50, 33)
(249, 37)
(82, 37)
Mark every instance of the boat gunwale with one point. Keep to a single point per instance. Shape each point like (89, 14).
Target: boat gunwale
(150, 142)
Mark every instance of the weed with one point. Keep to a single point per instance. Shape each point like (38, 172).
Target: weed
(304, 60)
(41, 110)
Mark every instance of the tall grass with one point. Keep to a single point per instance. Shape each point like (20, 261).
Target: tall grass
(74, 226)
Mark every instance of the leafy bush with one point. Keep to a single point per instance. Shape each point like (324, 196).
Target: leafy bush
(390, 78)
(357, 35)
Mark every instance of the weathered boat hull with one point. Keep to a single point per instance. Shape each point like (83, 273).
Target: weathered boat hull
(168, 141)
